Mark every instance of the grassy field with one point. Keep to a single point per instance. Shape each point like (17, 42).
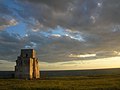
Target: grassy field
(102, 82)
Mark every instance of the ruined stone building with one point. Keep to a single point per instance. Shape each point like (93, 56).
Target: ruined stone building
(27, 66)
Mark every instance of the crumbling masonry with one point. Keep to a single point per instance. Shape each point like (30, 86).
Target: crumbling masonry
(27, 66)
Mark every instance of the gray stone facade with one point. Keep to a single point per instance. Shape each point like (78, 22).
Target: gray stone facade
(27, 66)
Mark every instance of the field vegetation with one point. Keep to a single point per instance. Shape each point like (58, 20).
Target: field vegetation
(101, 82)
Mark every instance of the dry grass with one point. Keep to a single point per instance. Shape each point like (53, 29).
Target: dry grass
(103, 82)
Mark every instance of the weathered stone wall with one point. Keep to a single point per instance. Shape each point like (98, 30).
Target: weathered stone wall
(28, 53)
(27, 65)
(36, 68)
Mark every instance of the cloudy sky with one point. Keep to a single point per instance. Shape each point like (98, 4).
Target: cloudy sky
(67, 34)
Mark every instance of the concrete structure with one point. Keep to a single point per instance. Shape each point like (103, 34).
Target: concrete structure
(27, 65)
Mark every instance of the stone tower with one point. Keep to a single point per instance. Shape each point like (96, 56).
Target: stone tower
(27, 65)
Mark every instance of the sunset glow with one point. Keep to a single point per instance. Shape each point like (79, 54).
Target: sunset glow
(66, 34)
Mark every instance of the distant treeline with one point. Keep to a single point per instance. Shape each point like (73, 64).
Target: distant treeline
(43, 74)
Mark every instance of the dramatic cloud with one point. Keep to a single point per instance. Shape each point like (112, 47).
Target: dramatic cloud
(60, 30)
(7, 23)
(83, 56)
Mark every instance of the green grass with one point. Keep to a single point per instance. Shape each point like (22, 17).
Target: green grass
(103, 82)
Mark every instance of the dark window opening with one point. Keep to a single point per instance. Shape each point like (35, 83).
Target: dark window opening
(26, 55)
